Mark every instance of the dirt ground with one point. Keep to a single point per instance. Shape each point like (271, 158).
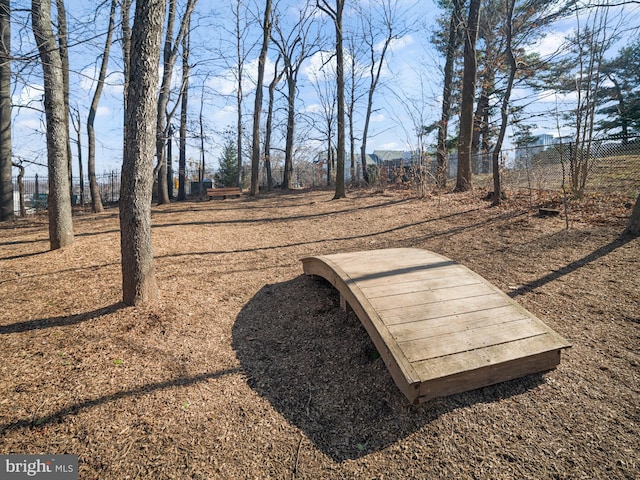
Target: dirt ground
(248, 369)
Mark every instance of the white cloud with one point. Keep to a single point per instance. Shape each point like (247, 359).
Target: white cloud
(314, 108)
(378, 118)
(320, 67)
(550, 96)
(390, 146)
(103, 111)
(28, 124)
(223, 116)
(113, 83)
(227, 82)
(29, 94)
(224, 84)
(550, 44)
(397, 44)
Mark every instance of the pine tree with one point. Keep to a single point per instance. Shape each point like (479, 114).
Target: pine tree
(227, 174)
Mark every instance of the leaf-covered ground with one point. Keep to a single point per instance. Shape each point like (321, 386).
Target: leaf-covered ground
(248, 369)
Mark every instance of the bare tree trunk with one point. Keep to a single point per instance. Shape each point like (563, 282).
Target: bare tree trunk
(201, 170)
(138, 271)
(163, 100)
(634, 221)
(497, 189)
(354, 169)
(288, 148)
(96, 201)
(239, 94)
(125, 25)
(78, 130)
(269, 126)
(64, 56)
(23, 207)
(375, 70)
(6, 184)
(163, 122)
(352, 138)
(452, 45)
(257, 107)
(60, 219)
(463, 182)
(329, 159)
(340, 187)
(295, 47)
(336, 15)
(186, 71)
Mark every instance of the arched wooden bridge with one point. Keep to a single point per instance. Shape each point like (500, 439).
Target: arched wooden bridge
(439, 327)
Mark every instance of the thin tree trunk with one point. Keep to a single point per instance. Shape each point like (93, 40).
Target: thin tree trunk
(125, 26)
(163, 100)
(6, 183)
(340, 187)
(138, 271)
(452, 44)
(23, 207)
(78, 130)
(288, 149)
(64, 56)
(240, 69)
(375, 77)
(329, 158)
(257, 107)
(163, 121)
(269, 125)
(186, 71)
(96, 201)
(201, 170)
(463, 182)
(59, 206)
(504, 111)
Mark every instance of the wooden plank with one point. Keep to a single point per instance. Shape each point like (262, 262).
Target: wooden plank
(425, 297)
(378, 279)
(382, 259)
(491, 356)
(434, 327)
(466, 380)
(471, 339)
(448, 278)
(414, 313)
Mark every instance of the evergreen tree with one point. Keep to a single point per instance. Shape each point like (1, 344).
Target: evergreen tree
(620, 98)
(227, 174)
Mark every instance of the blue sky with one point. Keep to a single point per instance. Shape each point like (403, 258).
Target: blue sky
(409, 94)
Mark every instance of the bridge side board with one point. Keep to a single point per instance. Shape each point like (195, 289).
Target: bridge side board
(489, 375)
(401, 370)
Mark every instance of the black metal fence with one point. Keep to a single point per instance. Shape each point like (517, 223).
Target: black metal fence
(36, 191)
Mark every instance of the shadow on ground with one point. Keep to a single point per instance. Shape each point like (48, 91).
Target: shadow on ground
(317, 366)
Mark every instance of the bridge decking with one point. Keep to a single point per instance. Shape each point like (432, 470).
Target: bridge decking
(439, 327)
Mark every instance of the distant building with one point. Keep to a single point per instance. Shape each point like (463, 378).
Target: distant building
(321, 162)
(540, 143)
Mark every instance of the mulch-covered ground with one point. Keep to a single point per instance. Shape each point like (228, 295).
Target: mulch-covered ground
(248, 369)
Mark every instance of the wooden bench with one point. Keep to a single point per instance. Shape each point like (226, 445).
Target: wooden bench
(224, 192)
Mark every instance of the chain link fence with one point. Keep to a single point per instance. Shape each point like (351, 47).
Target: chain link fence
(608, 167)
